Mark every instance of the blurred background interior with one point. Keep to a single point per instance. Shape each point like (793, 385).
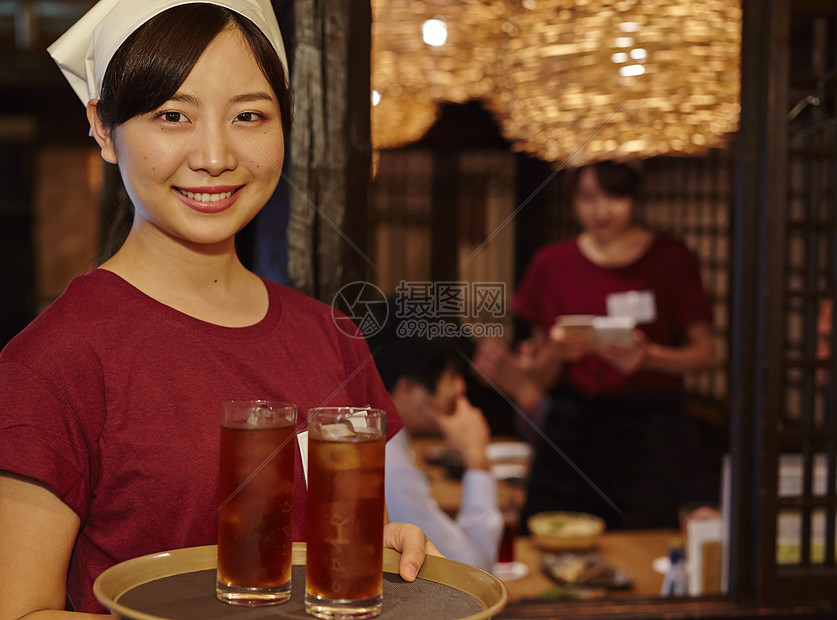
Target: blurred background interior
(477, 109)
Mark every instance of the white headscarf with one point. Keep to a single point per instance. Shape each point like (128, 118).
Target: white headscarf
(85, 50)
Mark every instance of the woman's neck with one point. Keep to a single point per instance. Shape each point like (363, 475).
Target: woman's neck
(617, 251)
(209, 284)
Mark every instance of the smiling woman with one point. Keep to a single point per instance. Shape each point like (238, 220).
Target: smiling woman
(110, 399)
(160, 55)
(211, 110)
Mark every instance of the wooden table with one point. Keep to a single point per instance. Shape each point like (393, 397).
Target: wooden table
(448, 491)
(632, 551)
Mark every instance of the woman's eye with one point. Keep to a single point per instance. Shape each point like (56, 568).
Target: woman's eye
(247, 117)
(172, 117)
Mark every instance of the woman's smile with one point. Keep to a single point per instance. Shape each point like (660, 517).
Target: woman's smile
(208, 199)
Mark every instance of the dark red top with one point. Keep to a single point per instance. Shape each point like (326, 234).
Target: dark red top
(113, 400)
(560, 280)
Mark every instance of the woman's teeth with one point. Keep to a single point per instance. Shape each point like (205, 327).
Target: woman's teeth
(205, 197)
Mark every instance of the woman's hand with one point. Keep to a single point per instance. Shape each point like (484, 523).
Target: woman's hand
(570, 348)
(627, 360)
(697, 354)
(494, 364)
(414, 546)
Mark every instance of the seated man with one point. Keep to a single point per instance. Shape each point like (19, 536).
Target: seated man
(428, 389)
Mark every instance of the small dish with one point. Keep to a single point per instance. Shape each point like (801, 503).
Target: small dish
(509, 571)
(509, 471)
(508, 450)
(565, 530)
(584, 569)
(661, 564)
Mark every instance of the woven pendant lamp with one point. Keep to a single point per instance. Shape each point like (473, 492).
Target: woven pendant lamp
(411, 76)
(587, 79)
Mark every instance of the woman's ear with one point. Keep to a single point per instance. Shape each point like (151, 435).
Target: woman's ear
(101, 133)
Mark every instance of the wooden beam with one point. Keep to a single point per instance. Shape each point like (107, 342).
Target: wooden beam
(330, 146)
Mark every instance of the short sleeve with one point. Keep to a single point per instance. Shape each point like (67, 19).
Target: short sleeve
(527, 300)
(691, 299)
(360, 366)
(41, 436)
(378, 395)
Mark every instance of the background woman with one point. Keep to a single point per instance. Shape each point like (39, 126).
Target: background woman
(612, 421)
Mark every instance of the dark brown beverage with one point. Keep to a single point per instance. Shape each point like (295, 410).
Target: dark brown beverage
(345, 517)
(506, 551)
(256, 498)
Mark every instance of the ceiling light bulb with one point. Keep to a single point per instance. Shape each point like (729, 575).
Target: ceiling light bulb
(630, 26)
(631, 70)
(434, 32)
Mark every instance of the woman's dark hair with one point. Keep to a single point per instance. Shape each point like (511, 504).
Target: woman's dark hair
(156, 58)
(616, 179)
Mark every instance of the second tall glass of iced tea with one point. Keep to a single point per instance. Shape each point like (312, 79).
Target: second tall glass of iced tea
(344, 567)
(256, 487)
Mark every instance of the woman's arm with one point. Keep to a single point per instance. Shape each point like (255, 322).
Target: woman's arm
(37, 534)
(495, 365)
(543, 354)
(526, 375)
(697, 354)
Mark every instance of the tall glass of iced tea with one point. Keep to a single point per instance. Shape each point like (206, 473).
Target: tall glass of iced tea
(256, 501)
(344, 567)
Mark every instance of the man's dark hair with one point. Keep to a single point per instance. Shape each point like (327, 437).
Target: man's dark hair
(401, 354)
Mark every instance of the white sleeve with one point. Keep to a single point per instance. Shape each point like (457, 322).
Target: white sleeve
(473, 537)
(479, 516)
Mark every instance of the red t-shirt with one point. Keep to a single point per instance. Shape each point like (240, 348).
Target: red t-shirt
(113, 400)
(560, 280)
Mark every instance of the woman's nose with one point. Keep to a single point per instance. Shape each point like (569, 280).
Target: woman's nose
(459, 385)
(214, 148)
(604, 206)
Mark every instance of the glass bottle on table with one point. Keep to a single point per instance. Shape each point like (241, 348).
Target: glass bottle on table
(507, 567)
(676, 581)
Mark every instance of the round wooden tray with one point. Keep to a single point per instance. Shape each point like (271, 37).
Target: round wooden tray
(180, 585)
